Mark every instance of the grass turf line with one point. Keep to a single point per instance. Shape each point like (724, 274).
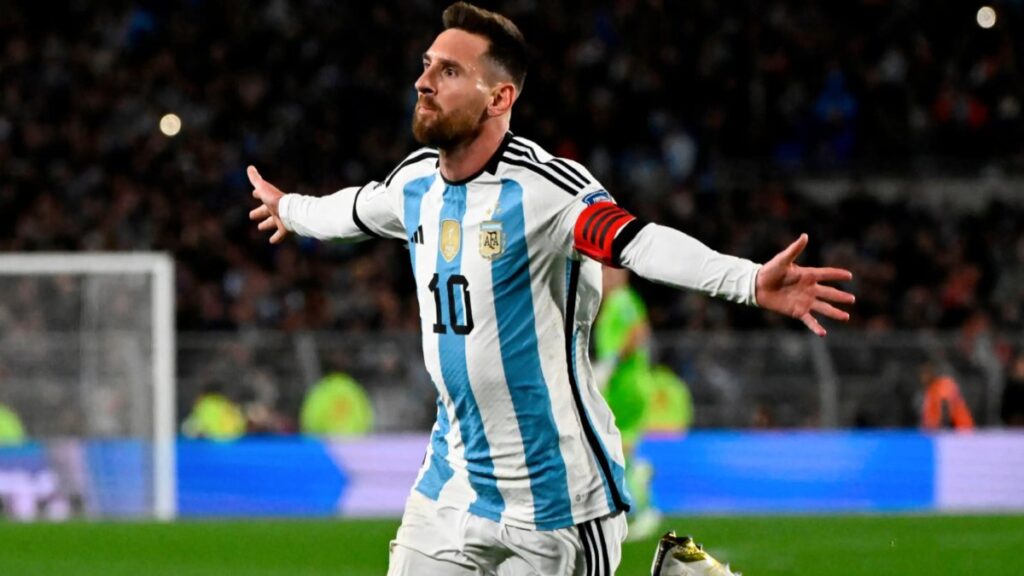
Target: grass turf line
(760, 546)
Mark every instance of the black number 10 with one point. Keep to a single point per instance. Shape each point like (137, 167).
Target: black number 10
(453, 281)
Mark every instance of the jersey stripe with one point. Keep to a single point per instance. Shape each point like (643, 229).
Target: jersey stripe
(520, 356)
(454, 371)
(439, 472)
(596, 446)
(565, 164)
(554, 170)
(537, 168)
(413, 193)
(520, 149)
(522, 145)
(410, 160)
(359, 221)
(530, 147)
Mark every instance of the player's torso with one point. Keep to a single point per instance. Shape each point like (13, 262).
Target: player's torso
(487, 285)
(492, 298)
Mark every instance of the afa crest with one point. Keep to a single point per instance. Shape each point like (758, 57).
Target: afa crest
(492, 239)
(451, 239)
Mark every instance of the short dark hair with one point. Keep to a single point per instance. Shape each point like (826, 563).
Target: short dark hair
(507, 49)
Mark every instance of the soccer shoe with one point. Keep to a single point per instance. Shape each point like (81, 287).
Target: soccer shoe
(683, 557)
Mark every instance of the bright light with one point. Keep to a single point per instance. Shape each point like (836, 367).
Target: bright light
(986, 17)
(170, 124)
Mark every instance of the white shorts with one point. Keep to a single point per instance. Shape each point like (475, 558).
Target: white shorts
(444, 541)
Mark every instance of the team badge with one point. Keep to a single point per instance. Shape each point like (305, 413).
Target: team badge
(451, 239)
(597, 196)
(492, 239)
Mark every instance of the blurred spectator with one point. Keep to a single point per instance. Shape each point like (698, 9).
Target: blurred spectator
(669, 403)
(1012, 409)
(337, 406)
(214, 416)
(943, 405)
(11, 430)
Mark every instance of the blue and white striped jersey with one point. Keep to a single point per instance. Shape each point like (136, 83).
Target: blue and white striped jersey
(523, 435)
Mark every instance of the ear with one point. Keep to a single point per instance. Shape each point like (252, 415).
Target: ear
(502, 96)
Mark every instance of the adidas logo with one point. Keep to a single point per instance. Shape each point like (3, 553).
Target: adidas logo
(417, 237)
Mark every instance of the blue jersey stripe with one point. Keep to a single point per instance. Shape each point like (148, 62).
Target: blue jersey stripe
(439, 471)
(520, 356)
(454, 369)
(413, 193)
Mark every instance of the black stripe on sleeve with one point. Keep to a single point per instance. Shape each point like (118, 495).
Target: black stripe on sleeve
(565, 164)
(549, 165)
(547, 176)
(359, 221)
(625, 236)
(411, 160)
(521, 144)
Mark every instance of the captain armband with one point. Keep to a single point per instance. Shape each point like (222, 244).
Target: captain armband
(603, 230)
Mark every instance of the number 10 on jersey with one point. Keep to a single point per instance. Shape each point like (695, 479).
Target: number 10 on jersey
(454, 281)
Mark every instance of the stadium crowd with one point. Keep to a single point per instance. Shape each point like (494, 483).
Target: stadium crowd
(664, 101)
(657, 98)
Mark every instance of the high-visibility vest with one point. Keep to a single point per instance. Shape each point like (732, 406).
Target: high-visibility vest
(942, 397)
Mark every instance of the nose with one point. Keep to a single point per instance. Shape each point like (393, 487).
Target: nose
(425, 83)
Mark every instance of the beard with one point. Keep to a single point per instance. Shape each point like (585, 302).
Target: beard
(445, 130)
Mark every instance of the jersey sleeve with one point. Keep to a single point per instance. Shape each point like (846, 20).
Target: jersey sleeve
(352, 214)
(373, 210)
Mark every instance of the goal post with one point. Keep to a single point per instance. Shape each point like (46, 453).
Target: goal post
(85, 325)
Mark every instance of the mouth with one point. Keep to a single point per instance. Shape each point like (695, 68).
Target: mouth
(422, 107)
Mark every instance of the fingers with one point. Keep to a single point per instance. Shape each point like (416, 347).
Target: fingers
(278, 235)
(829, 311)
(254, 176)
(790, 254)
(259, 213)
(831, 274)
(833, 295)
(268, 224)
(812, 324)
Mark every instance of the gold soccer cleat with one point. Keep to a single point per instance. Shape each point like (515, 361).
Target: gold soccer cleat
(683, 557)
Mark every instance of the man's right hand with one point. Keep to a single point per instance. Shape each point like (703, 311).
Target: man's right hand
(267, 213)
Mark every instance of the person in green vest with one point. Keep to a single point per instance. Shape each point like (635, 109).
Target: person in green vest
(669, 405)
(12, 432)
(214, 416)
(336, 406)
(623, 371)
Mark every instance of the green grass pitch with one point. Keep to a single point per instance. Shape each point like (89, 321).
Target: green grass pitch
(759, 546)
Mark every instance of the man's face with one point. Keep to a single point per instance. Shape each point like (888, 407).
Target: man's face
(453, 90)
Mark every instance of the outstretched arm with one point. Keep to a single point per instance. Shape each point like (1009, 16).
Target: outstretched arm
(335, 216)
(613, 236)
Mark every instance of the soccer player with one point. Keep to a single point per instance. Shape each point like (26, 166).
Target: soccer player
(623, 374)
(524, 469)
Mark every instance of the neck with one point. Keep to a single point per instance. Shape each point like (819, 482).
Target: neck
(467, 158)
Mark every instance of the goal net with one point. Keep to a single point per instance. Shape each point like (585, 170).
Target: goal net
(87, 364)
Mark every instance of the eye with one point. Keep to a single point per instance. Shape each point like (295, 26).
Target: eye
(450, 71)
